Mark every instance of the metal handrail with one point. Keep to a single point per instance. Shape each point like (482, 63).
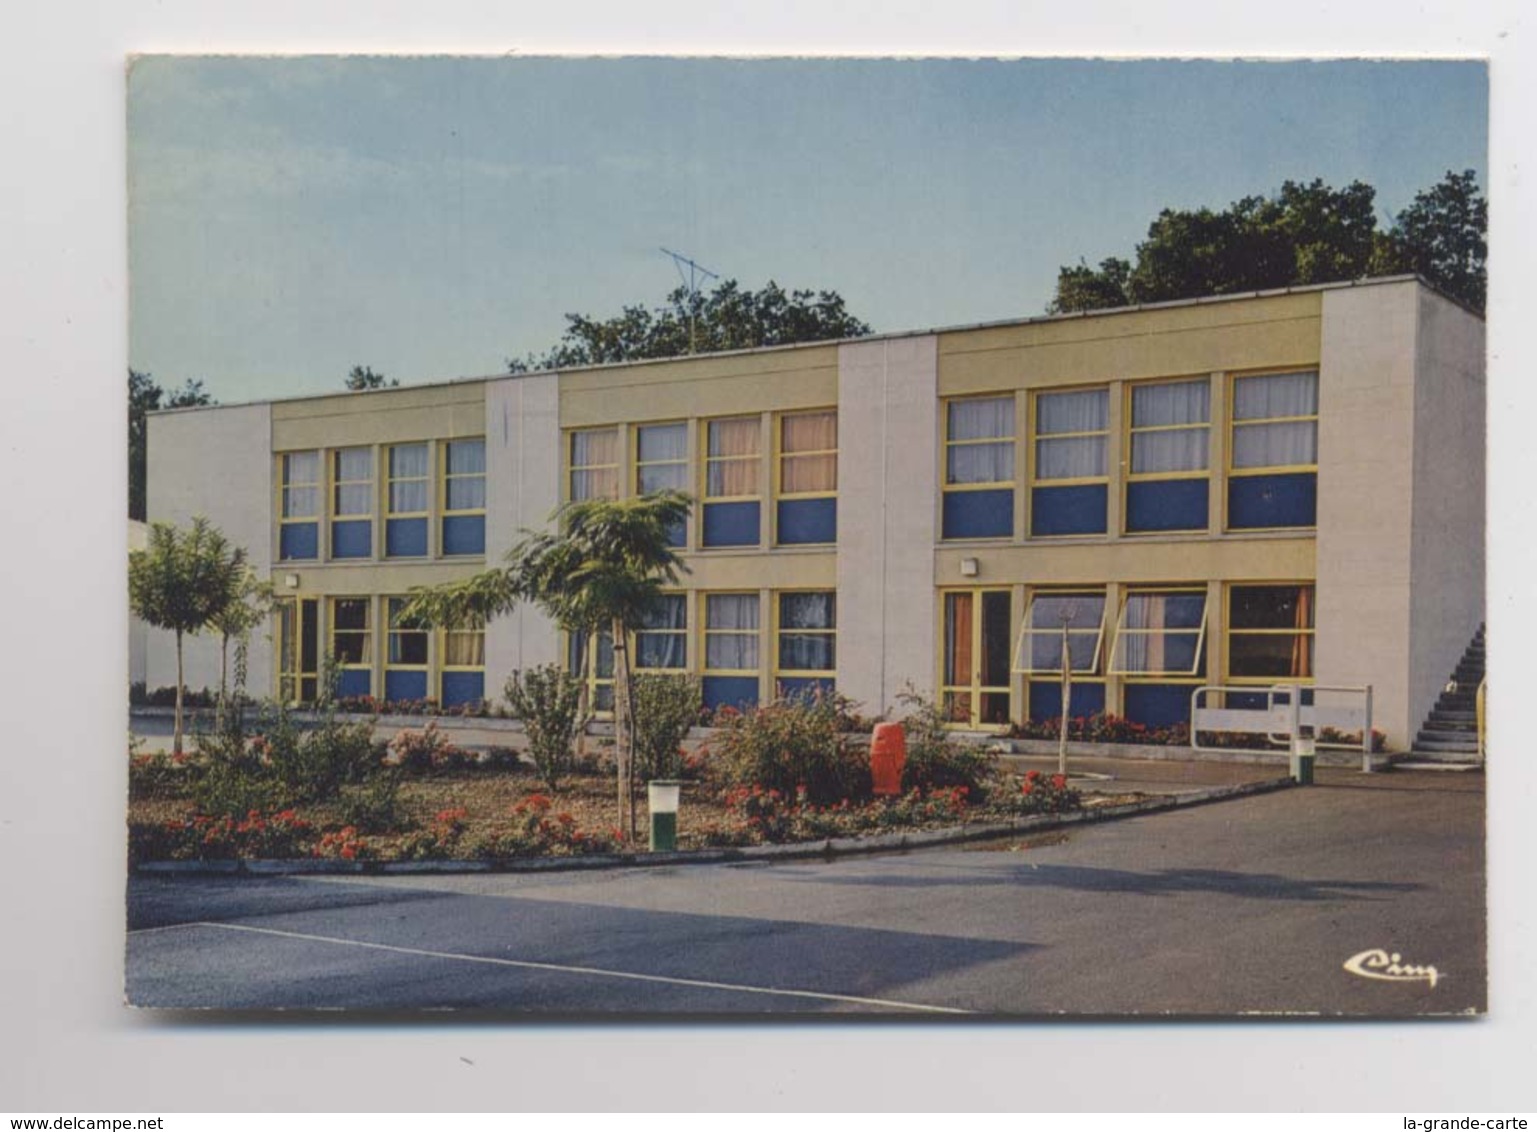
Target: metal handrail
(1478, 707)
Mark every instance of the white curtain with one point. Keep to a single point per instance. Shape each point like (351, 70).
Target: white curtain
(466, 475)
(408, 473)
(1081, 411)
(981, 420)
(301, 478)
(737, 649)
(661, 451)
(663, 641)
(467, 493)
(354, 464)
(1284, 443)
(1077, 457)
(466, 457)
(1275, 395)
(1170, 449)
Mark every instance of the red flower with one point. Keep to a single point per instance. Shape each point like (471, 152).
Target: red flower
(1059, 781)
(1032, 775)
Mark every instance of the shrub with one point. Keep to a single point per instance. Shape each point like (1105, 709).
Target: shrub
(549, 702)
(535, 831)
(346, 844)
(159, 775)
(665, 708)
(374, 807)
(788, 745)
(416, 751)
(1036, 794)
(499, 758)
(935, 759)
(255, 834)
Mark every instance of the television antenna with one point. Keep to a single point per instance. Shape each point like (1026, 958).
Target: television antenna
(691, 280)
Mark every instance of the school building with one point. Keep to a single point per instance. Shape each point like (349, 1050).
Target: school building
(1285, 487)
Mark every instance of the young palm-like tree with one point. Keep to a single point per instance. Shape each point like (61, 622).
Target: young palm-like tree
(181, 581)
(602, 567)
(249, 603)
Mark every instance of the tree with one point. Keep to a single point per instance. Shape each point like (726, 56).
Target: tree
(144, 396)
(603, 566)
(727, 318)
(1307, 233)
(363, 377)
(181, 582)
(246, 606)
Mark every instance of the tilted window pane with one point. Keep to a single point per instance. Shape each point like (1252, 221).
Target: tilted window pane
(1080, 611)
(1164, 611)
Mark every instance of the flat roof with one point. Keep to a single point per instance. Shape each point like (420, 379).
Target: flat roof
(1103, 312)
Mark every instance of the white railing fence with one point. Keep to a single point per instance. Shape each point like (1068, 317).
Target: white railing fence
(1286, 712)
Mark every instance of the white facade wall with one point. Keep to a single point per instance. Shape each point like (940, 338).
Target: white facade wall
(138, 631)
(522, 489)
(888, 422)
(1447, 563)
(216, 463)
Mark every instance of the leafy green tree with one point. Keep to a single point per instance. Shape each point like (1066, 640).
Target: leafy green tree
(603, 566)
(1307, 233)
(144, 396)
(182, 581)
(248, 604)
(549, 701)
(363, 377)
(728, 318)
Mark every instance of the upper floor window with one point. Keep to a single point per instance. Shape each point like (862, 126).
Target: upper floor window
(1070, 462)
(807, 509)
(1168, 487)
(406, 501)
(733, 462)
(464, 496)
(352, 502)
(661, 464)
(979, 468)
(299, 529)
(1273, 451)
(594, 464)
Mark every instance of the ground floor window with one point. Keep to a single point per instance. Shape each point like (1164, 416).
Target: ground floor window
(352, 645)
(731, 650)
(462, 662)
(661, 642)
(1269, 633)
(592, 654)
(806, 642)
(974, 661)
(1081, 613)
(406, 660)
(298, 631)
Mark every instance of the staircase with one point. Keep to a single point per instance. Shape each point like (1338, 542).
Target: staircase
(1450, 733)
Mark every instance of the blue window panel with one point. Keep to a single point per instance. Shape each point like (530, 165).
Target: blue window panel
(1158, 705)
(795, 687)
(804, 521)
(1046, 700)
(1168, 505)
(979, 514)
(730, 691)
(405, 538)
(352, 538)
(355, 682)
(1075, 510)
(298, 541)
(1260, 699)
(464, 534)
(1289, 500)
(405, 685)
(463, 688)
(731, 524)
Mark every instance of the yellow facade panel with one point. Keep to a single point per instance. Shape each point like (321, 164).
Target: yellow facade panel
(778, 380)
(779, 570)
(429, 413)
(1132, 561)
(367, 577)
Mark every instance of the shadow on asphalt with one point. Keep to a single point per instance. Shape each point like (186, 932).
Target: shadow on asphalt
(1166, 882)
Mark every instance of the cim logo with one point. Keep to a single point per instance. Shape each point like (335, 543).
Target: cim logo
(1379, 964)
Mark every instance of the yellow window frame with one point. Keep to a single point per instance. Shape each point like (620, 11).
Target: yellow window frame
(1143, 675)
(392, 606)
(334, 464)
(636, 463)
(390, 480)
(779, 629)
(333, 620)
(1234, 423)
(705, 633)
(708, 462)
(447, 476)
(591, 679)
(1310, 633)
(444, 652)
(975, 690)
(290, 615)
(1023, 652)
(781, 455)
(685, 632)
(1032, 476)
(572, 467)
(285, 485)
(1011, 439)
(1134, 430)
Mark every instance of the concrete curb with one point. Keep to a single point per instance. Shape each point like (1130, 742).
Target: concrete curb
(829, 848)
(1042, 748)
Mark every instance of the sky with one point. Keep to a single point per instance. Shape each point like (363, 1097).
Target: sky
(433, 217)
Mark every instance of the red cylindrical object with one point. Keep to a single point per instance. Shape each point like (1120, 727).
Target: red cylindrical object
(888, 754)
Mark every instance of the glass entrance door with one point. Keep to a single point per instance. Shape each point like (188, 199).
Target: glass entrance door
(299, 650)
(974, 665)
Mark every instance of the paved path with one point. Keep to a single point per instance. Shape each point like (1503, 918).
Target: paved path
(1250, 905)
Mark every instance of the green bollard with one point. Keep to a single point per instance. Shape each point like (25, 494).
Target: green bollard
(662, 799)
(1304, 748)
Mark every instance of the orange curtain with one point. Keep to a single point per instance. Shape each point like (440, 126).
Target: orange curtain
(1302, 653)
(807, 443)
(733, 457)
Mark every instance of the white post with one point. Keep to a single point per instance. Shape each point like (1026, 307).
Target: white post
(1366, 735)
(1067, 700)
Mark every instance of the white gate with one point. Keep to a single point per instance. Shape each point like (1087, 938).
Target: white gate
(1283, 716)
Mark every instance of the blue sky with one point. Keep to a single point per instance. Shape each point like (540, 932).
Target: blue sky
(290, 218)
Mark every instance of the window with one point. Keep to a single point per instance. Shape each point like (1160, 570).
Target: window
(352, 645)
(406, 502)
(1039, 652)
(1069, 479)
(974, 667)
(464, 497)
(1273, 454)
(979, 468)
(463, 677)
(405, 662)
(1160, 649)
(352, 503)
(1270, 633)
(807, 508)
(807, 642)
(733, 450)
(594, 457)
(661, 464)
(299, 528)
(661, 642)
(298, 650)
(1168, 486)
(730, 650)
(592, 658)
